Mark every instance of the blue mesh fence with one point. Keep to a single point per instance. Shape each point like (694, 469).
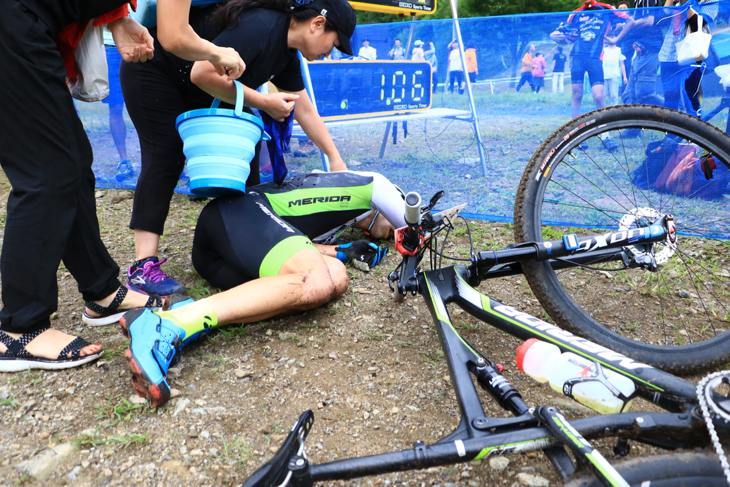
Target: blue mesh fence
(430, 152)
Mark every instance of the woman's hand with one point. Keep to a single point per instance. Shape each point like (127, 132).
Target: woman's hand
(280, 105)
(133, 41)
(227, 62)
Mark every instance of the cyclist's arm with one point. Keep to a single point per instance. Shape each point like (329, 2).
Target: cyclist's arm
(312, 124)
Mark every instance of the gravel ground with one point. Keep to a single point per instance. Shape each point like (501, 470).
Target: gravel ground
(370, 369)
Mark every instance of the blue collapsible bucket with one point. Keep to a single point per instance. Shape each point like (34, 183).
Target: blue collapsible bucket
(219, 145)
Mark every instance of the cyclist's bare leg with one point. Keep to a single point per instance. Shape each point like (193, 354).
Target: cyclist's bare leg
(307, 280)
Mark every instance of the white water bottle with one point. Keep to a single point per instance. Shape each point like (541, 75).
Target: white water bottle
(589, 383)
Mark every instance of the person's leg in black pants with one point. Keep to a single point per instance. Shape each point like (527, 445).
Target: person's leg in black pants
(51, 211)
(154, 100)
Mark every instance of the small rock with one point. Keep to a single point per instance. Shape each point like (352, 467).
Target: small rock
(175, 393)
(242, 374)
(176, 467)
(135, 399)
(201, 402)
(333, 355)
(44, 435)
(531, 480)
(181, 403)
(107, 472)
(174, 372)
(193, 433)
(205, 434)
(683, 294)
(499, 463)
(43, 464)
(73, 473)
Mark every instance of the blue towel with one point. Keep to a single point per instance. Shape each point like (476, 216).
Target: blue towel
(280, 133)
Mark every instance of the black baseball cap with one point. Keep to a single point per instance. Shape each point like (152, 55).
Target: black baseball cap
(341, 15)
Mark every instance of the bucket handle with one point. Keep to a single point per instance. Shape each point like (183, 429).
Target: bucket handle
(238, 110)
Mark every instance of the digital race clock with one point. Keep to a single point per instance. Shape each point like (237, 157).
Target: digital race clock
(416, 7)
(361, 88)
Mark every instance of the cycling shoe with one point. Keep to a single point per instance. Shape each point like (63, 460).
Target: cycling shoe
(154, 344)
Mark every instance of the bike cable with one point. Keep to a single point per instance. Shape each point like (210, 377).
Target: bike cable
(704, 395)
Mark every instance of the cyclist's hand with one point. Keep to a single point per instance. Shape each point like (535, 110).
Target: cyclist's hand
(361, 251)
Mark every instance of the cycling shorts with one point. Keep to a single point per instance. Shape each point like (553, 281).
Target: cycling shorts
(579, 65)
(240, 238)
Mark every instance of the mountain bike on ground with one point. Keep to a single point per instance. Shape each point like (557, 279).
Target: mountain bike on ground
(657, 238)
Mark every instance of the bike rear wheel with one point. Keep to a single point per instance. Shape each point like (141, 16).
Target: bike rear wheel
(669, 470)
(676, 318)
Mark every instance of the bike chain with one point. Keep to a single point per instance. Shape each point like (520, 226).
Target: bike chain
(704, 396)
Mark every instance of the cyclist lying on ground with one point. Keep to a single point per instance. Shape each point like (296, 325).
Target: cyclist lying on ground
(259, 246)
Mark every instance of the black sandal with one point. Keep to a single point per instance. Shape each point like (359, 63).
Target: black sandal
(110, 314)
(17, 358)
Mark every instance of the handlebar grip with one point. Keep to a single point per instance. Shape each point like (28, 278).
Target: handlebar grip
(413, 209)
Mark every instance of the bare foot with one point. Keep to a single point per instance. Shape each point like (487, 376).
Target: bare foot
(132, 300)
(50, 343)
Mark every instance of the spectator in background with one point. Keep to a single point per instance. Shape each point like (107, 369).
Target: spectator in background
(614, 71)
(682, 83)
(471, 61)
(626, 45)
(398, 52)
(587, 27)
(559, 70)
(366, 52)
(115, 100)
(645, 40)
(430, 56)
(455, 68)
(526, 71)
(538, 72)
(417, 53)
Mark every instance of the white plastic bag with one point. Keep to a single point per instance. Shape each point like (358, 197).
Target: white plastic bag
(92, 83)
(695, 47)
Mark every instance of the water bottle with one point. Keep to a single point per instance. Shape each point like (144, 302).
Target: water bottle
(588, 382)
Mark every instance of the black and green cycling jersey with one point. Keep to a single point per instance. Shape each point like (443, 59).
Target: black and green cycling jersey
(244, 237)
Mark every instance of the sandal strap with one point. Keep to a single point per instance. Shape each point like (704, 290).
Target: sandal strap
(107, 310)
(154, 301)
(16, 347)
(75, 347)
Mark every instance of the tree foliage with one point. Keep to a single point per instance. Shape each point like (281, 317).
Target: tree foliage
(478, 8)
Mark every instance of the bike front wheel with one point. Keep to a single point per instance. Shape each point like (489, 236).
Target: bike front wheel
(669, 470)
(626, 167)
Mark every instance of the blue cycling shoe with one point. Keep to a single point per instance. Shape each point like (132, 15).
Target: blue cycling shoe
(154, 344)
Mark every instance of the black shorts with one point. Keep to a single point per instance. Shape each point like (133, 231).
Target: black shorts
(240, 238)
(581, 65)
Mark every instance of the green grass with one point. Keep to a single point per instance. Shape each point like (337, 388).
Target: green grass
(123, 440)
(120, 411)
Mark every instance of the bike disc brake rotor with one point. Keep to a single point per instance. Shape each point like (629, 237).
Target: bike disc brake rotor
(642, 217)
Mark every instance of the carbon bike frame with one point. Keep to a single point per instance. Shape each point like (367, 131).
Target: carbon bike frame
(478, 436)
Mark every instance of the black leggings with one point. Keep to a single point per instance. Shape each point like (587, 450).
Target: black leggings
(154, 99)
(46, 156)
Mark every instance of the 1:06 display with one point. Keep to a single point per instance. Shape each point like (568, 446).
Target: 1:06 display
(361, 88)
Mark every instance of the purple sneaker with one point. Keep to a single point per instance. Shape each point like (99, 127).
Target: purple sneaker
(148, 278)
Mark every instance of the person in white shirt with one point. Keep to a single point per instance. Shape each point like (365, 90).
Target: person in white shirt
(366, 52)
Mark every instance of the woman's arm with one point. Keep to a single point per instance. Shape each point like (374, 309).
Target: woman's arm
(133, 41)
(277, 105)
(176, 36)
(306, 114)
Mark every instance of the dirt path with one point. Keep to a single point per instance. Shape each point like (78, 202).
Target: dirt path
(370, 369)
